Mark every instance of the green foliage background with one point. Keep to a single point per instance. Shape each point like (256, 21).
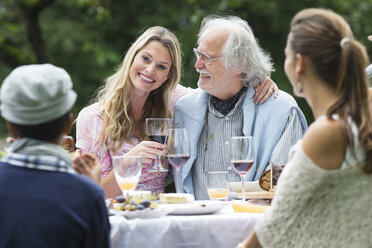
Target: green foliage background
(89, 37)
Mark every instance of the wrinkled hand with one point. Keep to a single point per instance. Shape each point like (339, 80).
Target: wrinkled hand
(264, 90)
(148, 150)
(87, 164)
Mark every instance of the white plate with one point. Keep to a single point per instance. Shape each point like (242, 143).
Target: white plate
(248, 186)
(196, 208)
(142, 214)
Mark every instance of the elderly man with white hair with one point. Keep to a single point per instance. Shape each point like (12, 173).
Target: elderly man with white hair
(231, 63)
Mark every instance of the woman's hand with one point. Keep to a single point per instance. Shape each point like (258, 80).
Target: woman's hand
(87, 164)
(148, 150)
(264, 90)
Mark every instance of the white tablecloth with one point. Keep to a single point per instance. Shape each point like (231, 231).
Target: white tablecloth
(222, 229)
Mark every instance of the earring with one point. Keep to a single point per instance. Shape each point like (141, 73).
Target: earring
(299, 87)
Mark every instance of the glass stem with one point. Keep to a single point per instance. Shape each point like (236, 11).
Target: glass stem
(156, 162)
(178, 186)
(243, 188)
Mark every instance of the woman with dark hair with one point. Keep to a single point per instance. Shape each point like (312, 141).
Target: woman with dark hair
(323, 198)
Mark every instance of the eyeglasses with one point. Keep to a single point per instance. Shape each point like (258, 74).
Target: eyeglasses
(204, 57)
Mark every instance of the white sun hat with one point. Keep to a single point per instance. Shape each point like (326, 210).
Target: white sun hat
(36, 94)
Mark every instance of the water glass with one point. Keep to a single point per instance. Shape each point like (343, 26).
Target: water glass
(217, 185)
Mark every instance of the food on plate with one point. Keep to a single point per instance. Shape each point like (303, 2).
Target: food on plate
(175, 198)
(144, 195)
(132, 203)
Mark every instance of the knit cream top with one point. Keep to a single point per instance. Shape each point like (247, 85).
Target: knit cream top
(314, 207)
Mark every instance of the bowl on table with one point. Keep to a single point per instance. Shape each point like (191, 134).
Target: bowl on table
(249, 186)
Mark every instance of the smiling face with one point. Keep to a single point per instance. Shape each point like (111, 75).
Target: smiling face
(150, 68)
(215, 78)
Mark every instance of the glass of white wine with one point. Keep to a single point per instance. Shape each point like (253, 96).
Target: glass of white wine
(127, 171)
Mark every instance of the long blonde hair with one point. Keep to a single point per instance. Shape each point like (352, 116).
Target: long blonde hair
(114, 96)
(326, 39)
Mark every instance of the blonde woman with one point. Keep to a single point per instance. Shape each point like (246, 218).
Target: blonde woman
(144, 86)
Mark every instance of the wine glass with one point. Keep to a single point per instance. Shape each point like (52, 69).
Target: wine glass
(156, 129)
(178, 151)
(242, 156)
(217, 185)
(127, 171)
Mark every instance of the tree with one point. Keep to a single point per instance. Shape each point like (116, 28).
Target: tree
(89, 37)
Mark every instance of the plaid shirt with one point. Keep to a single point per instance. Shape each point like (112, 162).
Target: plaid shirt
(39, 162)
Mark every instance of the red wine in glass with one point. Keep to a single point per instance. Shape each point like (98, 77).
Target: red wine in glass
(156, 129)
(242, 166)
(178, 151)
(242, 156)
(158, 138)
(178, 160)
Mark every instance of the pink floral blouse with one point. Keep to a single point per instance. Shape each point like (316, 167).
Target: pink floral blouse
(88, 127)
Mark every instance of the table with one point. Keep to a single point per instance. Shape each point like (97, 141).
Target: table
(222, 229)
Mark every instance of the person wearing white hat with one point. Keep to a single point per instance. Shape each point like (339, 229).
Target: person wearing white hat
(44, 202)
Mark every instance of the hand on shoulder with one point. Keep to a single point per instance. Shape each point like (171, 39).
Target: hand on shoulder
(325, 143)
(264, 90)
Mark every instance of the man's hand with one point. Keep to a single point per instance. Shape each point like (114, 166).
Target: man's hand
(264, 90)
(87, 164)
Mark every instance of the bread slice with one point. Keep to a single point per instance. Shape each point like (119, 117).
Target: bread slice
(265, 180)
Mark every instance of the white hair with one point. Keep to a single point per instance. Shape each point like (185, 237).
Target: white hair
(241, 50)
